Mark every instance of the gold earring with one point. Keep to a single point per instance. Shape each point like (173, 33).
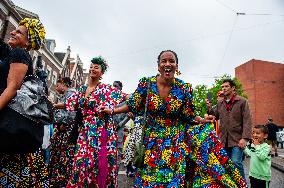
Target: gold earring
(178, 72)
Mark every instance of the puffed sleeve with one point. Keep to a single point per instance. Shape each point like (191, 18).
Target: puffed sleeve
(19, 55)
(136, 102)
(188, 107)
(72, 102)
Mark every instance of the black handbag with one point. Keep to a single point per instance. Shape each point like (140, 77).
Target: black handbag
(138, 159)
(75, 131)
(19, 134)
(22, 120)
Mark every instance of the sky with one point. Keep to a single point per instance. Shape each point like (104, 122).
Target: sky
(210, 37)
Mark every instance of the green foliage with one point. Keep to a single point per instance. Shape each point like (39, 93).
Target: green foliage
(200, 93)
(199, 96)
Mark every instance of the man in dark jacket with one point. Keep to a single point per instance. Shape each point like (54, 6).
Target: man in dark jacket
(235, 122)
(272, 129)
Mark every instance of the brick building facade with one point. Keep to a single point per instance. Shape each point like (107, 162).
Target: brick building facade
(263, 82)
(56, 64)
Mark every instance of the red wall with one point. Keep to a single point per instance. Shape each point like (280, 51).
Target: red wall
(263, 82)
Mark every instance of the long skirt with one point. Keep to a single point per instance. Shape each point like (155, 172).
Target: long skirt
(61, 158)
(199, 160)
(23, 170)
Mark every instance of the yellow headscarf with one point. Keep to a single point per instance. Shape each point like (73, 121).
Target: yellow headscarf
(36, 32)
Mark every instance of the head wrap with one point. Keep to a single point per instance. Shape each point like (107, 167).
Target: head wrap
(36, 32)
(100, 61)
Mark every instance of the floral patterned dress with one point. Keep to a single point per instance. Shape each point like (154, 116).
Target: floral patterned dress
(62, 148)
(177, 152)
(95, 160)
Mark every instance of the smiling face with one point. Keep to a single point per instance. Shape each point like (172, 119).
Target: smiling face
(167, 65)
(95, 71)
(259, 135)
(19, 37)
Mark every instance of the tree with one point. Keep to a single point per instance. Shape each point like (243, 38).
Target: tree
(199, 96)
(200, 93)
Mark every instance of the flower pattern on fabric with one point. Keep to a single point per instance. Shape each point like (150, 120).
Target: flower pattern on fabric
(61, 157)
(175, 148)
(89, 144)
(62, 148)
(23, 170)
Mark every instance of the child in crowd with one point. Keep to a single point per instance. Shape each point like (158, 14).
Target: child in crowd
(260, 161)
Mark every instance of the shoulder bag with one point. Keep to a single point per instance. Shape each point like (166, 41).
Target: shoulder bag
(139, 153)
(22, 120)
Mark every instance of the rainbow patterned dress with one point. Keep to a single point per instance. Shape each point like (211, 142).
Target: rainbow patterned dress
(178, 152)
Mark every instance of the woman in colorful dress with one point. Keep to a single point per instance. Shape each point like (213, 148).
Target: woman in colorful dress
(178, 153)
(95, 160)
(20, 169)
(62, 145)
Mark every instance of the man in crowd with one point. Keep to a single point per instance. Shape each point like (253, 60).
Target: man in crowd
(272, 129)
(235, 122)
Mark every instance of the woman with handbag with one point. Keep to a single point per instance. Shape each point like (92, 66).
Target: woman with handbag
(95, 160)
(176, 152)
(19, 168)
(62, 143)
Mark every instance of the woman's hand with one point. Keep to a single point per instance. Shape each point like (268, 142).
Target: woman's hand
(207, 119)
(59, 106)
(104, 109)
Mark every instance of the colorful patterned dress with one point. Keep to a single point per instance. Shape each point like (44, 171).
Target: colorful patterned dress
(62, 148)
(23, 170)
(95, 161)
(179, 153)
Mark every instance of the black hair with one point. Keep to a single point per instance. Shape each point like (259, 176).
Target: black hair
(263, 128)
(100, 61)
(231, 82)
(119, 83)
(159, 57)
(66, 81)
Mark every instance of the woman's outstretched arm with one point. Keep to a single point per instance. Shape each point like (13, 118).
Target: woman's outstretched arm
(121, 109)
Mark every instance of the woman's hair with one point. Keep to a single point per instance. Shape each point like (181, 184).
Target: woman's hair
(159, 57)
(100, 61)
(119, 83)
(36, 32)
(263, 128)
(66, 81)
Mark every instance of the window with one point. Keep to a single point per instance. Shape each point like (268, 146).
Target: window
(49, 72)
(43, 65)
(54, 78)
(1, 24)
(51, 96)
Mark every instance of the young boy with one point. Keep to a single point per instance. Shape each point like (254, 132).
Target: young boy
(260, 161)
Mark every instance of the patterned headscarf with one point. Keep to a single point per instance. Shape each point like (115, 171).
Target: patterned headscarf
(36, 32)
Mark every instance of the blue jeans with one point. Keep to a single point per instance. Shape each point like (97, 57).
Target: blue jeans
(236, 155)
(46, 153)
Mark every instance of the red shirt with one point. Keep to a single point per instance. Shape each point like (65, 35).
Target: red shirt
(230, 103)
